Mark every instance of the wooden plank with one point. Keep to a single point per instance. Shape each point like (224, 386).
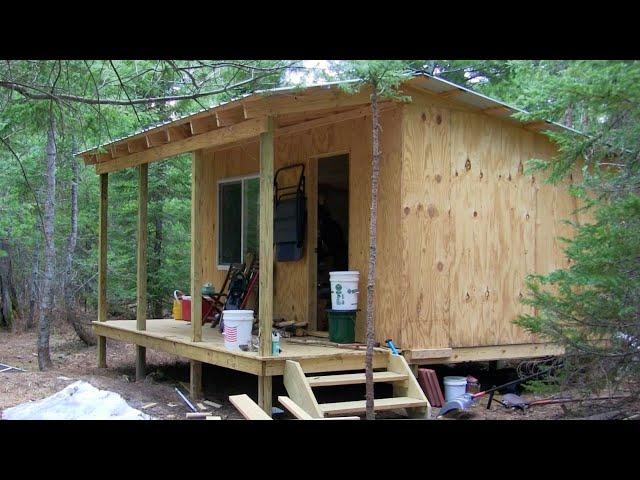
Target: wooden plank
(265, 308)
(231, 116)
(240, 131)
(426, 230)
(248, 408)
(379, 404)
(265, 393)
(198, 192)
(495, 352)
(141, 272)
(295, 409)
(423, 353)
(299, 390)
(102, 266)
(195, 380)
(202, 125)
(353, 379)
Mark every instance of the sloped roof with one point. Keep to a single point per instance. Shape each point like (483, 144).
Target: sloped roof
(425, 82)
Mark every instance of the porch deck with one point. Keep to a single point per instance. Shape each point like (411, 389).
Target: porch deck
(174, 337)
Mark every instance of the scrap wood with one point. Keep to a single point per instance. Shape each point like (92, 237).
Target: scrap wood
(6, 368)
(149, 405)
(191, 415)
(323, 343)
(212, 417)
(201, 406)
(211, 404)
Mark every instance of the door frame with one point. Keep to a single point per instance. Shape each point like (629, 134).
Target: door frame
(311, 184)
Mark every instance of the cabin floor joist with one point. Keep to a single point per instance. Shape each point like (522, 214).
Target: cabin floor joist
(174, 337)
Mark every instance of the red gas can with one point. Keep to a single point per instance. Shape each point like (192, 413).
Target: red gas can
(186, 308)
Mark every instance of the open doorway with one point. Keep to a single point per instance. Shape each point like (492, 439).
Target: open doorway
(333, 227)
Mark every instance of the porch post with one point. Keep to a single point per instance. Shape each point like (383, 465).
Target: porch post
(265, 308)
(141, 285)
(197, 214)
(102, 267)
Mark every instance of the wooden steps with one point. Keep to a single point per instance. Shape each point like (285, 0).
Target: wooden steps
(354, 378)
(407, 394)
(359, 406)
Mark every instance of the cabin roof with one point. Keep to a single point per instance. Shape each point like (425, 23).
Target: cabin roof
(294, 105)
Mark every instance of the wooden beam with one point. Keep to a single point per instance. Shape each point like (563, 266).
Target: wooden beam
(537, 126)
(202, 125)
(158, 138)
(195, 380)
(141, 273)
(493, 352)
(119, 150)
(102, 267)
(137, 145)
(231, 116)
(248, 408)
(265, 393)
(241, 131)
(198, 190)
(421, 354)
(179, 132)
(265, 307)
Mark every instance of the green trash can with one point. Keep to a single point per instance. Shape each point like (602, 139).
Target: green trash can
(342, 325)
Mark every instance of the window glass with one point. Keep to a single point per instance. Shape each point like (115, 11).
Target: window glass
(251, 215)
(230, 232)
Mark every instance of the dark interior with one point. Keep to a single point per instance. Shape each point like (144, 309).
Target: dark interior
(333, 227)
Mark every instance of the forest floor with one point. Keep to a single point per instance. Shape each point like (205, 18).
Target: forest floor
(73, 361)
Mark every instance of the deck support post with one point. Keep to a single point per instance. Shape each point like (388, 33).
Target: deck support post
(265, 393)
(197, 214)
(265, 307)
(141, 280)
(102, 267)
(195, 380)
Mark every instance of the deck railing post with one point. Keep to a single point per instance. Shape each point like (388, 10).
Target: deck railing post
(141, 277)
(265, 307)
(102, 266)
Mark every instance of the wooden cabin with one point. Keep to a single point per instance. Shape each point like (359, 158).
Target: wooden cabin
(460, 223)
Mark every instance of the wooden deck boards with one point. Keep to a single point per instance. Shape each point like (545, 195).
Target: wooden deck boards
(174, 337)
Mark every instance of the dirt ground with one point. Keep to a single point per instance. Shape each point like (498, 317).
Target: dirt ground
(73, 361)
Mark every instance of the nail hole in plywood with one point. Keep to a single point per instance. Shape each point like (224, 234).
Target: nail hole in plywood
(424, 117)
(438, 119)
(406, 210)
(467, 165)
(438, 178)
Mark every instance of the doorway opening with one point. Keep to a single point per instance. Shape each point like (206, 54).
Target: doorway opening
(333, 228)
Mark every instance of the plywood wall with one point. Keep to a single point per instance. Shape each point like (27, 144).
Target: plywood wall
(474, 224)
(293, 281)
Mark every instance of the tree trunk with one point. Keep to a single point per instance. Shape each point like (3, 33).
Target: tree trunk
(46, 298)
(33, 288)
(373, 238)
(82, 329)
(8, 298)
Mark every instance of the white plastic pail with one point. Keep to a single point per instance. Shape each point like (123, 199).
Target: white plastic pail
(454, 387)
(237, 328)
(344, 290)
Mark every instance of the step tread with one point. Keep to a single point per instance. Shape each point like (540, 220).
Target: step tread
(353, 378)
(378, 404)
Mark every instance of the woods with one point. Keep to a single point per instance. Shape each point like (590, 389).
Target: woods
(49, 201)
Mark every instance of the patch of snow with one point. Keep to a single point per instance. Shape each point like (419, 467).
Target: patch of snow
(78, 401)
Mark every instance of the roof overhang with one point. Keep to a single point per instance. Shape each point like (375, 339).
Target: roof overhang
(295, 109)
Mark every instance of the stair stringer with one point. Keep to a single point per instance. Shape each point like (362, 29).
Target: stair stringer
(299, 390)
(408, 388)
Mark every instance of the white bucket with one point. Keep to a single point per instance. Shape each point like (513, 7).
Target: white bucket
(344, 290)
(454, 387)
(237, 328)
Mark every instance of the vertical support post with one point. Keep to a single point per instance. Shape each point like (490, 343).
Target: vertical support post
(195, 380)
(141, 280)
(197, 214)
(102, 267)
(265, 307)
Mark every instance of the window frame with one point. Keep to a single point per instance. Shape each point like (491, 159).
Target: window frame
(241, 179)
